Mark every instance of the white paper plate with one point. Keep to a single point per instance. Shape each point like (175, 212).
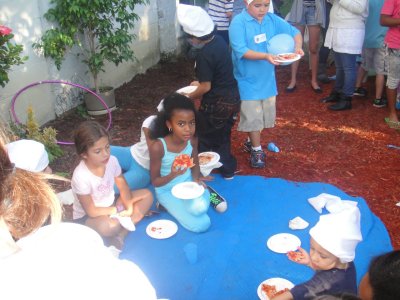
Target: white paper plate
(161, 229)
(187, 190)
(187, 89)
(298, 56)
(215, 158)
(283, 242)
(279, 283)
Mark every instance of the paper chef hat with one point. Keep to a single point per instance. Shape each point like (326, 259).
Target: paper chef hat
(339, 233)
(28, 155)
(194, 20)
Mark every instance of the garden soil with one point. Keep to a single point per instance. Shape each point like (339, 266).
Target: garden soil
(348, 149)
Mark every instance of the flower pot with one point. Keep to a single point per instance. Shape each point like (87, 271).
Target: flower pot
(93, 104)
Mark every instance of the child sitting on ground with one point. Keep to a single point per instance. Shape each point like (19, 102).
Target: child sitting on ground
(93, 181)
(382, 282)
(332, 250)
(175, 131)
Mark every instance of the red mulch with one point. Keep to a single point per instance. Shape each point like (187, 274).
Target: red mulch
(347, 149)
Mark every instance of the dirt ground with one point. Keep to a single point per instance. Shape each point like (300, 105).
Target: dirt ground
(347, 149)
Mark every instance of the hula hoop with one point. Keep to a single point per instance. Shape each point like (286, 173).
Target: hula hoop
(16, 120)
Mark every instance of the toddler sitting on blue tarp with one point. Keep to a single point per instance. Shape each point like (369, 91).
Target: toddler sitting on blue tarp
(332, 250)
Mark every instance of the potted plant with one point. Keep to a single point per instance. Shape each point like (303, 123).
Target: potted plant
(9, 54)
(101, 29)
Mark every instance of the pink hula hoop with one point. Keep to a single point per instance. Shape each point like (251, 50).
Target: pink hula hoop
(14, 99)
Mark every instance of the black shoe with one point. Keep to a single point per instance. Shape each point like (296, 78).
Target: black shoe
(333, 97)
(343, 104)
(217, 201)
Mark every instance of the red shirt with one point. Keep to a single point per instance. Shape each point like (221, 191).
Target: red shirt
(392, 9)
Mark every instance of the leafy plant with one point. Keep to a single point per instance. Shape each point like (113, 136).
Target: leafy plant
(9, 54)
(102, 29)
(32, 130)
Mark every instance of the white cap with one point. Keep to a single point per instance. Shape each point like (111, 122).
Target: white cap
(28, 155)
(339, 233)
(194, 20)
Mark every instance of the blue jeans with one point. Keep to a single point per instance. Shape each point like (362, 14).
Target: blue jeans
(346, 73)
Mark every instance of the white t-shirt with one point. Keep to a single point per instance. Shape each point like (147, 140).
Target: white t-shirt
(140, 150)
(101, 189)
(69, 261)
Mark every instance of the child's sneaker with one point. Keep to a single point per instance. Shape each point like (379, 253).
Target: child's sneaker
(247, 146)
(360, 92)
(379, 103)
(257, 159)
(217, 201)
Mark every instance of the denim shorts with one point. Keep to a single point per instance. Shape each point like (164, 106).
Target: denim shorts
(308, 17)
(393, 63)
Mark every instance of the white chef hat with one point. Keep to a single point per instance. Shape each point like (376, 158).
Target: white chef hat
(28, 155)
(339, 233)
(194, 20)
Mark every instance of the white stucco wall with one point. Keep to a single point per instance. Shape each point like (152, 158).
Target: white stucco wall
(156, 33)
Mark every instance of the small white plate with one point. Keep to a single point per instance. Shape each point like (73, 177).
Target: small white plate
(283, 242)
(215, 158)
(187, 89)
(161, 229)
(279, 283)
(187, 190)
(282, 60)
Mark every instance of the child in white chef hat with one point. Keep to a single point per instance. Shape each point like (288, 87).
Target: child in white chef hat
(29, 155)
(332, 250)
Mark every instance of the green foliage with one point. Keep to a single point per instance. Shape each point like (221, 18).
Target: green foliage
(9, 55)
(101, 28)
(82, 111)
(46, 136)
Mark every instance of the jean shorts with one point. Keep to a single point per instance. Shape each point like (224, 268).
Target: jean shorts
(308, 17)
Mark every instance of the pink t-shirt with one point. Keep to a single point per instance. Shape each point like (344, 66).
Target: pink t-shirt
(392, 8)
(101, 189)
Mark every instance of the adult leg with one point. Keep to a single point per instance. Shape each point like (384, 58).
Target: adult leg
(337, 90)
(324, 51)
(294, 66)
(348, 62)
(314, 32)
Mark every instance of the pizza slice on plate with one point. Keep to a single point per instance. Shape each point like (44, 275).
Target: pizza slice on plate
(271, 291)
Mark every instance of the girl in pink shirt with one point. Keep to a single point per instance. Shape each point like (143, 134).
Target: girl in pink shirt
(93, 187)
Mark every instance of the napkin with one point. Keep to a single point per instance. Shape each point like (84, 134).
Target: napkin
(206, 170)
(66, 198)
(321, 200)
(298, 223)
(125, 222)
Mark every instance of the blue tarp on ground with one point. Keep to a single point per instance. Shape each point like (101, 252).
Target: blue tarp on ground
(232, 255)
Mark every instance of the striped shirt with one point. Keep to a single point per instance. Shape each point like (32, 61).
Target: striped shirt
(218, 9)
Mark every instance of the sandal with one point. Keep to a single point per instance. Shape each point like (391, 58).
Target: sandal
(392, 124)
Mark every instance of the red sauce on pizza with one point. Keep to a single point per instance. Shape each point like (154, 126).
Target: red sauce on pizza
(183, 161)
(270, 290)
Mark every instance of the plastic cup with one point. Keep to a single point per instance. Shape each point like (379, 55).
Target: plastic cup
(272, 147)
(190, 250)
